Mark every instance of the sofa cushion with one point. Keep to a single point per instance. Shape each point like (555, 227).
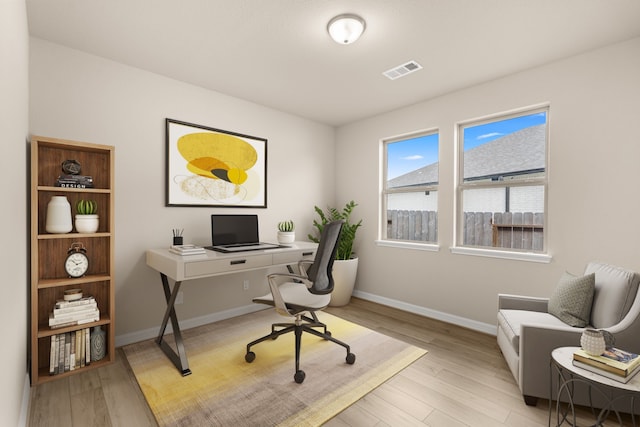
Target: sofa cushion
(571, 299)
(511, 320)
(615, 291)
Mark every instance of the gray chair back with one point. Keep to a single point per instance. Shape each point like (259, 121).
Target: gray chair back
(320, 273)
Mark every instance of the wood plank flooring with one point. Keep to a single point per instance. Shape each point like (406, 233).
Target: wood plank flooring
(462, 381)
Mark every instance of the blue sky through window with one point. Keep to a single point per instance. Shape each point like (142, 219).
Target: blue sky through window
(411, 154)
(414, 153)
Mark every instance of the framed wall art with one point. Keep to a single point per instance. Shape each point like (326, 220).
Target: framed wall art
(213, 167)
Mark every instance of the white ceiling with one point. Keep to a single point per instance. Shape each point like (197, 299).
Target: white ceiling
(277, 52)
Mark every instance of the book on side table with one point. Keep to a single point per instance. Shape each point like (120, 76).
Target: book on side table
(614, 363)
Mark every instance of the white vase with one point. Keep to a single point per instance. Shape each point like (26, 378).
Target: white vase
(87, 223)
(593, 342)
(58, 215)
(344, 280)
(286, 237)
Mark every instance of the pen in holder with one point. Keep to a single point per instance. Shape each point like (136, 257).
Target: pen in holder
(177, 236)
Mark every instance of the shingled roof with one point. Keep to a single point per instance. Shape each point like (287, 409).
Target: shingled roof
(518, 153)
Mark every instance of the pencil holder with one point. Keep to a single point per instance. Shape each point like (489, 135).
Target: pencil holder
(177, 240)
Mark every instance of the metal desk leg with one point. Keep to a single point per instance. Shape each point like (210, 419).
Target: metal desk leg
(179, 359)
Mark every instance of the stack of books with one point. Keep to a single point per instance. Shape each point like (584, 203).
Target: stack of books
(74, 181)
(614, 363)
(187, 250)
(70, 351)
(72, 313)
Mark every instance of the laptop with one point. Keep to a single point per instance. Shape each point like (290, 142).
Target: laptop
(236, 233)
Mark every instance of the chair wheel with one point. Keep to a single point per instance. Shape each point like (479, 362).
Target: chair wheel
(299, 377)
(351, 358)
(328, 333)
(250, 356)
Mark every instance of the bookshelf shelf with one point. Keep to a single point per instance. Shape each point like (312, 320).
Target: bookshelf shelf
(49, 251)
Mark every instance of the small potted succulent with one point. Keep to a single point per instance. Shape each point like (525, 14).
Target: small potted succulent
(286, 232)
(87, 219)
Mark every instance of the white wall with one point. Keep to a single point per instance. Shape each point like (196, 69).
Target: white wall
(14, 125)
(82, 97)
(593, 202)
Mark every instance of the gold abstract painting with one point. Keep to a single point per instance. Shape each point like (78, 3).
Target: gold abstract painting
(212, 167)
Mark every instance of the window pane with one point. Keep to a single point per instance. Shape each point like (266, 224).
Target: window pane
(511, 149)
(412, 162)
(504, 217)
(412, 216)
(410, 191)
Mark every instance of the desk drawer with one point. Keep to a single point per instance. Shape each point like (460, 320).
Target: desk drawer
(227, 265)
(293, 257)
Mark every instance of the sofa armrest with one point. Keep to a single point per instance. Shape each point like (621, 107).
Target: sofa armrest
(518, 302)
(536, 344)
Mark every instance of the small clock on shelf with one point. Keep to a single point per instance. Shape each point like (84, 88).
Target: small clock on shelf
(77, 263)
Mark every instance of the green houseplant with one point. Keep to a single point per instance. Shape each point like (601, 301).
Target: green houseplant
(87, 220)
(348, 235)
(345, 266)
(286, 232)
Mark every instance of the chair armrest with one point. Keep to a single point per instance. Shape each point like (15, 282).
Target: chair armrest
(304, 265)
(278, 279)
(536, 344)
(519, 302)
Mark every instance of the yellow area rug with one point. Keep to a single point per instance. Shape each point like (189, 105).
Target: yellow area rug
(225, 390)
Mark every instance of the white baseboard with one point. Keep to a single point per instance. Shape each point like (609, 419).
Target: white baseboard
(185, 324)
(434, 314)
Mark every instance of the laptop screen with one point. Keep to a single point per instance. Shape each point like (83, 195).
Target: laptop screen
(233, 229)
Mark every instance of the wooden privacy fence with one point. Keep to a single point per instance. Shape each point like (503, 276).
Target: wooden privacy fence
(488, 229)
(412, 225)
(522, 230)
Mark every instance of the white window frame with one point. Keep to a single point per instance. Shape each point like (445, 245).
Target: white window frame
(384, 192)
(461, 185)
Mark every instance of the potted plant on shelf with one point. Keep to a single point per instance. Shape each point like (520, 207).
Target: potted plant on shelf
(286, 232)
(87, 219)
(345, 266)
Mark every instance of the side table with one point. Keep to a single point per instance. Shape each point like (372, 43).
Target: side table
(568, 375)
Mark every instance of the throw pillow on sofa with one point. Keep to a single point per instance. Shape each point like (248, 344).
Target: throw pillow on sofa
(572, 298)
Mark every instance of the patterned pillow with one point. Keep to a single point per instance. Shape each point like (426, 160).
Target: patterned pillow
(571, 300)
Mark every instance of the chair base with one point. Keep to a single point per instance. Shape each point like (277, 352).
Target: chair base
(302, 324)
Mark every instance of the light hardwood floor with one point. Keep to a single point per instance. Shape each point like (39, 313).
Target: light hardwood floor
(462, 381)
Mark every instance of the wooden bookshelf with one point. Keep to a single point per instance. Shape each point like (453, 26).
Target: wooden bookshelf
(49, 251)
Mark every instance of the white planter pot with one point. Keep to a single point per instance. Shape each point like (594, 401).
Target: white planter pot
(344, 278)
(286, 237)
(87, 223)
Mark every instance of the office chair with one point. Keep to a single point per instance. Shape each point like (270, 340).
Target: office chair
(300, 296)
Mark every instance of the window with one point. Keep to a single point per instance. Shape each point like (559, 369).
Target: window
(410, 188)
(502, 182)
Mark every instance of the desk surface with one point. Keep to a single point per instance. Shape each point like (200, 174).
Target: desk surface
(563, 356)
(214, 263)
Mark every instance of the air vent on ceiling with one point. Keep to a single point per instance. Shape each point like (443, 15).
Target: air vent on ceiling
(402, 70)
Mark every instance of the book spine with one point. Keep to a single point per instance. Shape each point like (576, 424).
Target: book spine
(604, 373)
(81, 301)
(75, 322)
(52, 356)
(75, 315)
(72, 352)
(74, 309)
(87, 345)
(67, 351)
(61, 353)
(600, 365)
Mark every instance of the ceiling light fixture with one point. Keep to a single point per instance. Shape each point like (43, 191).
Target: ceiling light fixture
(346, 28)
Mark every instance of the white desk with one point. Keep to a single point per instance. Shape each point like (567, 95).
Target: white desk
(181, 268)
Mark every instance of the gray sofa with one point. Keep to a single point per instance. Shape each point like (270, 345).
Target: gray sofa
(527, 332)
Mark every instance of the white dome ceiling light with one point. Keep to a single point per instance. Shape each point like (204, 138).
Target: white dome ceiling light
(346, 28)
